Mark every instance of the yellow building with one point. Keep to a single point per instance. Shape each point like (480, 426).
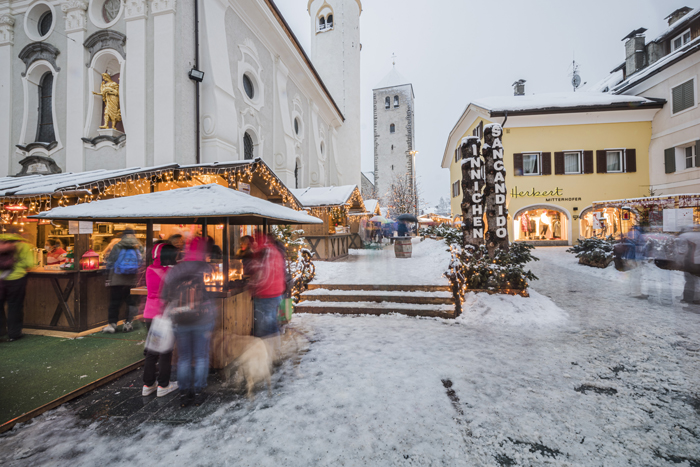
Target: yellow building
(563, 151)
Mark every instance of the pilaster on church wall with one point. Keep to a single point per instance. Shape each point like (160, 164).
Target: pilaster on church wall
(75, 16)
(7, 37)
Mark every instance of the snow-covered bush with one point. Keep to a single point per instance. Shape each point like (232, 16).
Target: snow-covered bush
(303, 271)
(471, 268)
(597, 252)
(451, 235)
(293, 240)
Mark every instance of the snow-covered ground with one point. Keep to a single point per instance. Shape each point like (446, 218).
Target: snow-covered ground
(425, 267)
(577, 375)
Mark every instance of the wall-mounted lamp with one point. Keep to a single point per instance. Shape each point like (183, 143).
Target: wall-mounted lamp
(196, 75)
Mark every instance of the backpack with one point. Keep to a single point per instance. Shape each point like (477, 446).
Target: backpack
(8, 255)
(190, 302)
(128, 261)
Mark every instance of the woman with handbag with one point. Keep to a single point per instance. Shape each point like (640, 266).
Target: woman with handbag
(164, 257)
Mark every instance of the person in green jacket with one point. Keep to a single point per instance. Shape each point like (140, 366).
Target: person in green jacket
(13, 284)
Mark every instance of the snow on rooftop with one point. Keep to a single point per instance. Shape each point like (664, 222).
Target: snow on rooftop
(678, 26)
(645, 72)
(371, 205)
(198, 201)
(324, 196)
(555, 100)
(606, 84)
(394, 78)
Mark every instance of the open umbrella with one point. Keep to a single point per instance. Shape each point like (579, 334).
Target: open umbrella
(381, 219)
(407, 218)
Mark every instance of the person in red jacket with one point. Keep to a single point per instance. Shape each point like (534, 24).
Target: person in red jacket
(267, 285)
(164, 258)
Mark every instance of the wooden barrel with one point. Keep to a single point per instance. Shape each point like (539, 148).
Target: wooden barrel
(403, 248)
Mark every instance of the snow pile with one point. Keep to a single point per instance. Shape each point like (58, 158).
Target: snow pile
(427, 265)
(511, 310)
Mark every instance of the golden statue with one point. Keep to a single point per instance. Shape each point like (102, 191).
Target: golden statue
(109, 90)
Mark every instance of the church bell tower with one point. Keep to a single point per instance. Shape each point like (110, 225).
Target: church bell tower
(335, 53)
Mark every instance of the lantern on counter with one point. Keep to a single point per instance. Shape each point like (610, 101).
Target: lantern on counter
(90, 260)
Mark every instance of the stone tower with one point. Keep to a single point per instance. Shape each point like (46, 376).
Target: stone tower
(335, 53)
(394, 133)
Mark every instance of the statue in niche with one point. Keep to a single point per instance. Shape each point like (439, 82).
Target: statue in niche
(109, 90)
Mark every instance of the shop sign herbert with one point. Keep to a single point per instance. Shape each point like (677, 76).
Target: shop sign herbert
(556, 194)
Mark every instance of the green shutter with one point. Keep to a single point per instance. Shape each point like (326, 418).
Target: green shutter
(670, 160)
(697, 153)
(683, 96)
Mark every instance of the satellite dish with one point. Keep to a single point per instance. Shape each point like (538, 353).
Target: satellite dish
(576, 81)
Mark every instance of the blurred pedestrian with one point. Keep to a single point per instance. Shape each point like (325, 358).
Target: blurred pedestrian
(267, 285)
(16, 258)
(184, 293)
(402, 229)
(245, 254)
(178, 241)
(164, 258)
(214, 250)
(636, 256)
(123, 263)
(691, 241)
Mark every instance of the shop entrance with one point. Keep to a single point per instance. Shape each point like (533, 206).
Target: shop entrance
(605, 222)
(544, 225)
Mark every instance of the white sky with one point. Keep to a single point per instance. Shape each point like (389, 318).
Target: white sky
(456, 51)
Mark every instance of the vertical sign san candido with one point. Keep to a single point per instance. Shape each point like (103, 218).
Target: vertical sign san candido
(484, 212)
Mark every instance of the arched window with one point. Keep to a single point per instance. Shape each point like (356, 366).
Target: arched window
(387, 103)
(392, 128)
(297, 175)
(247, 146)
(321, 23)
(329, 21)
(44, 131)
(396, 101)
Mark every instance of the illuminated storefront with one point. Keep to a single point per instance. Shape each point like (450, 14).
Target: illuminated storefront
(541, 224)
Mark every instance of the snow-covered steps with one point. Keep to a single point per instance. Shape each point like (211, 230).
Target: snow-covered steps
(382, 287)
(375, 308)
(393, 296)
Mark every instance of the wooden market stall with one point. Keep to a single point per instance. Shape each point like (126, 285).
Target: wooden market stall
(335, 206)
(358, 223)
(211, 206)
(76, 299)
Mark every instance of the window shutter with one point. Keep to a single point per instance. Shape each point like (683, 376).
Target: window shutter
(601, 162)
(683, 96)
(588, 162)
(457, 154)
(518, 164)
(546, 163)
(670, 160)
(697, 153)
(559, 163)
(630, 160)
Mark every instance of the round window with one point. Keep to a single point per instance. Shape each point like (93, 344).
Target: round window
(110, 10)
(296, 126)
(45, 23)
(248, 86)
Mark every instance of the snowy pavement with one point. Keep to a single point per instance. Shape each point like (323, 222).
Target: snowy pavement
(590, 377)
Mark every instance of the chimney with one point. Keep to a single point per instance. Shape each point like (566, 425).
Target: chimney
(634, 53)
(519, 88)
(678, 14)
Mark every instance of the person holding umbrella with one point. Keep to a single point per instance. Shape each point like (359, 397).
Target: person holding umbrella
(403, 219)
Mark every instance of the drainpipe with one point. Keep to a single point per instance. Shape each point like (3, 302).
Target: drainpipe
(196, 65)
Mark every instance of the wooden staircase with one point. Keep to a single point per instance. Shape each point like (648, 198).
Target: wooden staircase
(373, 299)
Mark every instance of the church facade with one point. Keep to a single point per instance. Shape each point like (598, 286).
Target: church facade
(106, 84)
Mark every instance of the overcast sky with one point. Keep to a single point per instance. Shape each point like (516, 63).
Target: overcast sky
(456, 51)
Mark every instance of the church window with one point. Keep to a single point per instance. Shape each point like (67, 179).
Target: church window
(45, 23)
(110, 10)
(296, 126)
(297, 175)
(248, 86)
(396, 101)
(321, 147)
(321, 23)
(387, 103)
(392, 128)
(329, 22)
(247, 146)
(45, 132)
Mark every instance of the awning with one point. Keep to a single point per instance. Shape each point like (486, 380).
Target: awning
(184, 206)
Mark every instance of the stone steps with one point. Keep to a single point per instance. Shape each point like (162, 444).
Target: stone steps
(382, 287)
(373, 308)
(421, 298)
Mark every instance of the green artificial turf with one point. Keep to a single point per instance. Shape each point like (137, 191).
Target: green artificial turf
(37, 369)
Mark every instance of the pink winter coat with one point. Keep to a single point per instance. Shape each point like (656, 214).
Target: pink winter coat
(155, 275)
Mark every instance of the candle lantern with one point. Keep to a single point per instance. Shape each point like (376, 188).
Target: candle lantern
(90, 260)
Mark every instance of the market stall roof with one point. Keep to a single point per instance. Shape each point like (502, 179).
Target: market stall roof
(372, 206)
(44, 185)
(184, 205)
(330, 196)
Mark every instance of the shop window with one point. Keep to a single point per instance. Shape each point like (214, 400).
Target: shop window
(396, 101)
(387, 102)
(605, 222)
(614, 161)
(392, 128)
(572, 162)
(541, 225)
(531, 164)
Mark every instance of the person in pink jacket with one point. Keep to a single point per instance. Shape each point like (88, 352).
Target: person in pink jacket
(164, 257)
